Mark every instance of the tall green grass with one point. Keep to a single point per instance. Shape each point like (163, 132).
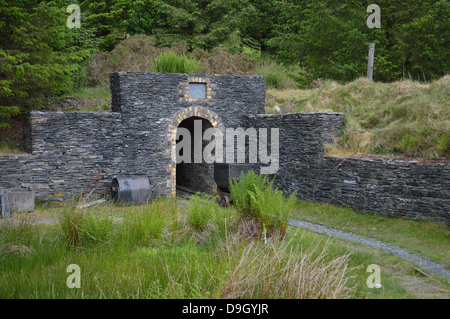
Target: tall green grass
(71, 223)
(200, 211)
(170, 62)
(152, 252)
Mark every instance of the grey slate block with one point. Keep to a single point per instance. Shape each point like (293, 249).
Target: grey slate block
(4, 204)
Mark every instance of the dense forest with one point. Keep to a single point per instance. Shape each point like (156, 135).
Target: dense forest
(41, 56)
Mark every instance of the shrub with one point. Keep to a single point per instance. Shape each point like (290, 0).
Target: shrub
(240, 191)
(170, 62)
(273, 208)
(276, 76)
(222, 61)
(282, 77)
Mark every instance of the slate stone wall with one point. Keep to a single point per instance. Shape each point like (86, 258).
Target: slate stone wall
(137, 138)
(388, 188)
(67, 149)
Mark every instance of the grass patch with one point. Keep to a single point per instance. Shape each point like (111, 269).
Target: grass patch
(430, 239)
(150, 251)
(404, 117)
(7, 147)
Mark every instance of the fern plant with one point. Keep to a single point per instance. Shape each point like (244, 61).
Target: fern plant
(255, 197)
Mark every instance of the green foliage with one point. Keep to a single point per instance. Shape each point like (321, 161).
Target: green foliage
(71, 224)
(143, 226)
(281, 77)
(170, 62)
(254, 197)
(241, 189)
(7, 112)
(96, 229)
(39, 55)
(201, 209)
(258, 23)
(272, 207)
(408, 143)
(443, 142)
(330, 38)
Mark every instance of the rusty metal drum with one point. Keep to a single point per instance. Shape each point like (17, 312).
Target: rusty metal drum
(131, 190)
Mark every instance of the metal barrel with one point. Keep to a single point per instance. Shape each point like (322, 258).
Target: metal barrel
(224, 171)
(131, 190)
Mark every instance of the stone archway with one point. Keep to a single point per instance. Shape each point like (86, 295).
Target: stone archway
(193, 112)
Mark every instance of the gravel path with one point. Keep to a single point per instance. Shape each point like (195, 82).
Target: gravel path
(421, 261)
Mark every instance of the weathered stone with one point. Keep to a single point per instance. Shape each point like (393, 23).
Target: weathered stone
(5, 210)
(21, 200)
(388, 188)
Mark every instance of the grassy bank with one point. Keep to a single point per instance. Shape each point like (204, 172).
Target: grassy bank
(427, 238)
(404, 118)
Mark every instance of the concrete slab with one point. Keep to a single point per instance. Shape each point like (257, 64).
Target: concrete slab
(5, 208)
(21, 200)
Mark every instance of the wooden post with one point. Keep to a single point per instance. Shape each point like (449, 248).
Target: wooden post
(370, 64)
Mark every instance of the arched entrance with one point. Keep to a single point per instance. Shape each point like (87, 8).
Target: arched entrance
(192, 176)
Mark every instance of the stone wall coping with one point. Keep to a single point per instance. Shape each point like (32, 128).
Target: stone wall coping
(387, 161)
(188, 75)
(295, 114)
(61, 113)
(16, 156)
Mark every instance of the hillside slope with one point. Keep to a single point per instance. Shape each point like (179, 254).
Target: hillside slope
(404, 118)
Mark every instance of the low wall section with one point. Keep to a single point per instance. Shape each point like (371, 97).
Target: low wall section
(389, 188)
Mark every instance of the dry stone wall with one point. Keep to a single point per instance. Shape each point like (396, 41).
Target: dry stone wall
(389, 188)
(66, 150)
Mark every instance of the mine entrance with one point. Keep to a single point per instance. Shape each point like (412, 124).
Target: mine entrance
(194, 177)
